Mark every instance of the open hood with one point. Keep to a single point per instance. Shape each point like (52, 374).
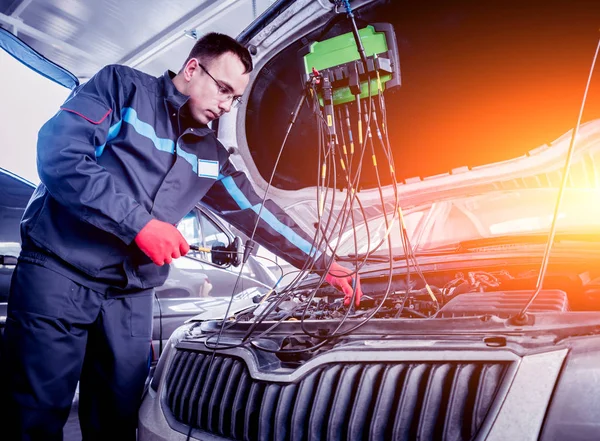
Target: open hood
(488, 95)
(480, 83)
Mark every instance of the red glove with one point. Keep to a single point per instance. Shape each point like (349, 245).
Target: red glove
(339, 278)
(161, 242)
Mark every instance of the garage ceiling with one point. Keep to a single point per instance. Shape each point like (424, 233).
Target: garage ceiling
(151, 35)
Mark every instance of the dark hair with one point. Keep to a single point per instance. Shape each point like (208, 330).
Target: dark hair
(212, 45)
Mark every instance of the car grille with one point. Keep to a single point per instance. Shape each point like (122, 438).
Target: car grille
(341, 401)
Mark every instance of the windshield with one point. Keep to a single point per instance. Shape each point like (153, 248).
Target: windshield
(488, 215)
(20, 121)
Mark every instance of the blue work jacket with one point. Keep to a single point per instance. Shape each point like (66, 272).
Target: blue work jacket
(121, 152)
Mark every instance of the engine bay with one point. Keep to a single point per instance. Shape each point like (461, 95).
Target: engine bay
(502, 292)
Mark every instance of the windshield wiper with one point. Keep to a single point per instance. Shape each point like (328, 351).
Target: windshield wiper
(524, 239)
(368, 258)
(384, 257)
(471, 244)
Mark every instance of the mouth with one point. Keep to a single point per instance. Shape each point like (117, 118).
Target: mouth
(212, 114)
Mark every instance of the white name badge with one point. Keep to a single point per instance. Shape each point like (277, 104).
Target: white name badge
(208, 169)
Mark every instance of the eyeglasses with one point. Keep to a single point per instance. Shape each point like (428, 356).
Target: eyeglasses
(225, 91)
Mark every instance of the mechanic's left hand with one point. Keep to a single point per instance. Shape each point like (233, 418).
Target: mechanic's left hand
(339, 277)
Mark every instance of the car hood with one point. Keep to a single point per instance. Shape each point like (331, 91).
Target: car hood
(442, 149)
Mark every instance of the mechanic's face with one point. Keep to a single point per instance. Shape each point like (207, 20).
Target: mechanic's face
(214, 88)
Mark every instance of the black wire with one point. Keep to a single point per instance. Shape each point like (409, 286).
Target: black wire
(390, 277)
(324, 232)
(309, 263)
(335, 334)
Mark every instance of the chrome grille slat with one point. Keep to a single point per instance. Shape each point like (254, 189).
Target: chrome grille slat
(228, 397)
(174, 391)
(485, 392)
(266, 420)
(407, 414)
(283, 412)
(455, 429)
(203, 361)
(338, 424)
(376, 401)
(323, 402)
(214, 408)
(301, 410)
(237, 415)
(189, 386)
(252, 411)
(361, 411)
(434, 404)
(214, 366)
(173, 374)
(391, 383)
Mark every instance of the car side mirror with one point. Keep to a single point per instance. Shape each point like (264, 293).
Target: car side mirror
(227, 255)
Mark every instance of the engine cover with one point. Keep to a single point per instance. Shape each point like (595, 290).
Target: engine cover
(504, 303)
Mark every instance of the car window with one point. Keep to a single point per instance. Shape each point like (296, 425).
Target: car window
(212, 234)
(189, 227)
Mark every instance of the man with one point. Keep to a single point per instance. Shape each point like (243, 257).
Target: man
(125, 158)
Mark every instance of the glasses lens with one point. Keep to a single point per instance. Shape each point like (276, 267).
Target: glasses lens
(237, 102)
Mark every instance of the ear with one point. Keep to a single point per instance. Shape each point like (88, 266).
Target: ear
(190, 68)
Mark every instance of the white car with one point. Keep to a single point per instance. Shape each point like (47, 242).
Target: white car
(456, 337)
(473, 324)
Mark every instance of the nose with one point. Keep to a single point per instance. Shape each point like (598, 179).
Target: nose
(225, 105)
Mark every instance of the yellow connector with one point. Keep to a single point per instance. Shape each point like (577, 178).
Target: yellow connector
(428, 288)
(360, 135)
(201, 249)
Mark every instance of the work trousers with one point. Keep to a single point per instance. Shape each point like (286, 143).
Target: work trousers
(58, 332)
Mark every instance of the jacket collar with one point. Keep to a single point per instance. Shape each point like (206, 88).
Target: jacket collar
(177, 99)
(172, 95)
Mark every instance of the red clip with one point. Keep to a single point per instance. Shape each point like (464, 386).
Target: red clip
(316, 76)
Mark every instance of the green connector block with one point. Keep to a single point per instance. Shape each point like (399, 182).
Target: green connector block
(342, 49)
(343, 95)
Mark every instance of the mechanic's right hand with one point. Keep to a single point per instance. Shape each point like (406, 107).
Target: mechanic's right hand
(161, 242)
(342, 279)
